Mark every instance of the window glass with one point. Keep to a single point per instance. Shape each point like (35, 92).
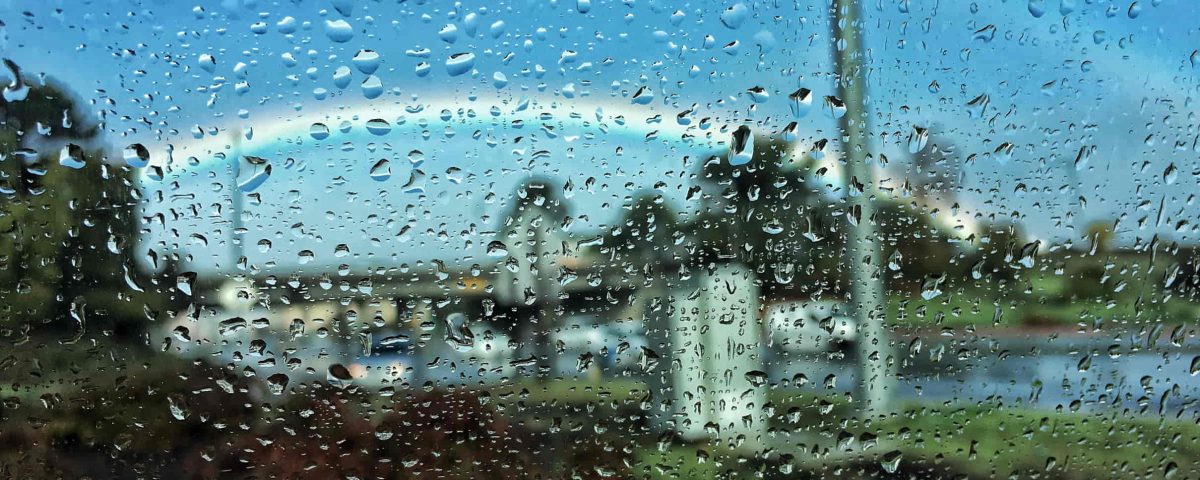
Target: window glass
(599, 239)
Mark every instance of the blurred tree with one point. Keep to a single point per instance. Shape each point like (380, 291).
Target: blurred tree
(1100, 233)
(913, 246)
(533, 237)
(1085, 275)
(67, 225)
(767, 215)
(935, 170)
(647, 233)
(999, 244)
(531, 233)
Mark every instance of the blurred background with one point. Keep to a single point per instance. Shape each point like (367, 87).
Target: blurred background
(599, 239)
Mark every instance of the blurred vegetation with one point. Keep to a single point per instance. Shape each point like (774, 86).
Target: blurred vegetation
(824, 438)
(143, 415)
(66, 234)
(986, 441)
(648, 233)
(175, 417)
(775, 216)
(768, 215)
(973, 442)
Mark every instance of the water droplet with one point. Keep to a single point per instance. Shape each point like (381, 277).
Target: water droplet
(382, 170)
(460, 63)
(257, 177)
(986, 34)
(342, 76)
(338, 375)
(1135, 9)
(372, 87)
(178, 406)
(136, 155)
(1171, 470)
(756, 378)
(448, 33)
(497, 249)
(497, 29)
(367, 61)
(800, 102)
(790, 133)
(416, 157)
(471, 24)
(1170, 174)
(339, 30)
(232, 326)
(182, 333)
(734, 16)
(931, 287)
(286, 25)
(1085, 363)
(834, 107)
(71, 156)
(186, 282)
(978, 106)
(895, 260)
(891, 461)
(1028, 254)
(207, 62)
(758, 94)
(1083, 157)
(643, 96)
(741, 148)
(277, 383)
(917, 139)
(1037, 8)
(415, 183)
(378, 126)
(318, 131)
(1004, 153)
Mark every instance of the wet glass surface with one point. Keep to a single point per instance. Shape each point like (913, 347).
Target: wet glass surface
(599, 239)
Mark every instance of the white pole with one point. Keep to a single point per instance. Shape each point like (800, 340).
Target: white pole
(862, 248)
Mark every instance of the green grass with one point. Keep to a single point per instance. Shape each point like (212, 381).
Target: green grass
(989, 441)
(558, 393)
(982, 441)
(978, 441)
(676, 462)
(968, 442)
(978, 308)
(950, 309)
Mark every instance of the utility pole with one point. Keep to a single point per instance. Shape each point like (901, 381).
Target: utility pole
(235, 196)
(547, 315)
(864, 254)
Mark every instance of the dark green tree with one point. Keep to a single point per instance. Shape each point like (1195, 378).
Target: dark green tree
(935, 167)
(648, 233)
(770, 216)
(914, 248)
(67, 227)
(999, 246)
(528, 284)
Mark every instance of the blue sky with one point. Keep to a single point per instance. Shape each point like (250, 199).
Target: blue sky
(1095, 77)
